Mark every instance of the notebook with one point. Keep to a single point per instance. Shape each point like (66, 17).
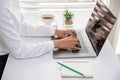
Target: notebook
(82, 66)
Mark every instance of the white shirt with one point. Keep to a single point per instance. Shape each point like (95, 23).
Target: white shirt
(12, 26)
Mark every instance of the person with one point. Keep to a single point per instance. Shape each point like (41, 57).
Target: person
(13, 27)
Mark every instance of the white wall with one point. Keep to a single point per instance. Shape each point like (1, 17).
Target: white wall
(118, 36)
(115, 8)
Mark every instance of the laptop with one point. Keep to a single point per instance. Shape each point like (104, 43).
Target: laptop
(93, 37)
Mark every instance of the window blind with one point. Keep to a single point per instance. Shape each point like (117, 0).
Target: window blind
(56, 0)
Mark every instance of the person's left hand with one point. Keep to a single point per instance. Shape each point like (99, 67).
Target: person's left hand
(64, 33)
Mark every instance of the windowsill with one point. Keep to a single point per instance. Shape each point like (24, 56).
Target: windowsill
(37, 6)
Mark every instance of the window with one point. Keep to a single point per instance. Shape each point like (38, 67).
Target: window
(56, 4)
(57, 1)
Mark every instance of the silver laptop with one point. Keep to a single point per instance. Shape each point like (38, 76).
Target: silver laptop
(93, 37)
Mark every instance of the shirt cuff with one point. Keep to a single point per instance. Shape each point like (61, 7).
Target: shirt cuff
(51, 44)
(53, 31)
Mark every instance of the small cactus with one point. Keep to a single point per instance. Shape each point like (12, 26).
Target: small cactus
(68, 15)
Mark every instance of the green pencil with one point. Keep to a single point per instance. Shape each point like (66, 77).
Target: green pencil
(71, 69)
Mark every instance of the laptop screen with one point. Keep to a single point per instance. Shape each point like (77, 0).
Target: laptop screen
(99, 25)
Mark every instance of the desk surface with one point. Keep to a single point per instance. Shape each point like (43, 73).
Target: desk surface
(105, 67)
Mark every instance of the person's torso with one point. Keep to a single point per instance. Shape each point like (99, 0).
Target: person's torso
(15, 13)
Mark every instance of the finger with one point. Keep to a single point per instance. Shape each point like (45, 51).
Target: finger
(63, 35)
(70, 38)
(76, 48)
(74, 43)
(71, 34)
(79, 44)
(75, 40)
(74, 33)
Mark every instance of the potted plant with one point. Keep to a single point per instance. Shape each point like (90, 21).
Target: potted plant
(68, 17)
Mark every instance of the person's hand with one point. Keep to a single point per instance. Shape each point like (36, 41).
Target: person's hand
(66, 43)
(64, 33)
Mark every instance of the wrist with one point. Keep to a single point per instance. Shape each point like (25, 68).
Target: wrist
(56, 44)
(56, 32)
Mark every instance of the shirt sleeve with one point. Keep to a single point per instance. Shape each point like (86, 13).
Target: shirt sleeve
(12, 41)
(41, 30)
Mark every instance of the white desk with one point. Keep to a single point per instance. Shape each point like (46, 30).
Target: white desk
(105, 67)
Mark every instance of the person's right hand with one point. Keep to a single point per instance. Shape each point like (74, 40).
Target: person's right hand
(67, 42)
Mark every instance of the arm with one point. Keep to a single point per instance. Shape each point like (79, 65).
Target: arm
(28, 30)
(11, 40)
